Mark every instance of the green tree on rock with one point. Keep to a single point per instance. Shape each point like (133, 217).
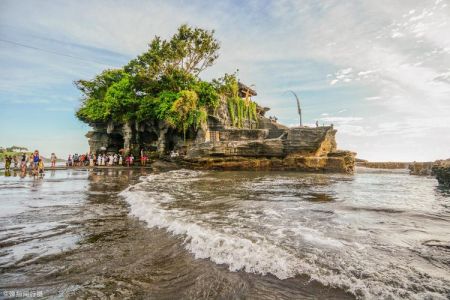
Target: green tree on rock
(162, 84)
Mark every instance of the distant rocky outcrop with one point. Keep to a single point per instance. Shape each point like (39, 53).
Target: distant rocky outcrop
(441, 169)
(382, 165)
(420, 168)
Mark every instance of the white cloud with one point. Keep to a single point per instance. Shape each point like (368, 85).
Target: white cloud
(341, 120)
(394, 54)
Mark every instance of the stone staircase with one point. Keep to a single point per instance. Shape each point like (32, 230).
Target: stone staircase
(275, 133)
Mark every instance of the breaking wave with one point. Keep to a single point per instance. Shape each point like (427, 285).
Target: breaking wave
(229, 221)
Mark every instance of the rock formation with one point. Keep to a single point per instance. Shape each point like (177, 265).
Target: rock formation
(259, 143)
(382, 165)
(277, 148)
(441, 169)
(420, 168)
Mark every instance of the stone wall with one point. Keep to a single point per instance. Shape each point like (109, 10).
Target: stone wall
(243, 134)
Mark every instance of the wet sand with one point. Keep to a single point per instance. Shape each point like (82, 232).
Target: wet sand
(69, 235)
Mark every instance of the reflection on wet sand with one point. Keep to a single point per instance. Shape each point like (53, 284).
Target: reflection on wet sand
(69, 234)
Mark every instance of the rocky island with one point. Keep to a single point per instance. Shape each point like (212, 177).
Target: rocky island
(157, 103)
(441, 169)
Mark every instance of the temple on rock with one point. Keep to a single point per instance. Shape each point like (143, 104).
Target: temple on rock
(235, 136)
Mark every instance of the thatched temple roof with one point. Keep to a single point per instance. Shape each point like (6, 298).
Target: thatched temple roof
(243, 90)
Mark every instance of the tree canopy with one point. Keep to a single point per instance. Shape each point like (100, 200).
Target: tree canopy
(162, 83)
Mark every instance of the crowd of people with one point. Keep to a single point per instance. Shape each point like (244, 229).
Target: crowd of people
(33, 162)
(109, 159)
(104, 159)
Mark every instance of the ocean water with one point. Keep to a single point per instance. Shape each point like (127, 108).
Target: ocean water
(375, 234)
(187, 234)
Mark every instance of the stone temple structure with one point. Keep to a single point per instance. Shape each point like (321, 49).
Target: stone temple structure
(258, 144)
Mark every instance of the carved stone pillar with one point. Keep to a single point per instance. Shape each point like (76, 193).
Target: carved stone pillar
(161, 144)
(127, 132)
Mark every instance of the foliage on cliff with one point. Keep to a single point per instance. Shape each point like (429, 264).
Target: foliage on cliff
(163, 83)
(240, 109)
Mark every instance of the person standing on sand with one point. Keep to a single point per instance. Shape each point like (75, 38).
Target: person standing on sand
(41, 166)
(36, 158)
(53, 160)
(23, 163)
(144, 160)
(7, 162)
(30, 162)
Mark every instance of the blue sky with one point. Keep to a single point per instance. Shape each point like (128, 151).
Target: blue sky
(378, 70)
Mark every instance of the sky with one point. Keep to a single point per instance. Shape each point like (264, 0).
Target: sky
(379, 71)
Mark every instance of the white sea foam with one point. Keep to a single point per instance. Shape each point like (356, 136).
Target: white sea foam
(349, 265)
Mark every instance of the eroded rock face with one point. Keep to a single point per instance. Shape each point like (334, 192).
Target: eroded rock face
(259, 144)
(339, 162)
(303, 149)
(441, 169)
